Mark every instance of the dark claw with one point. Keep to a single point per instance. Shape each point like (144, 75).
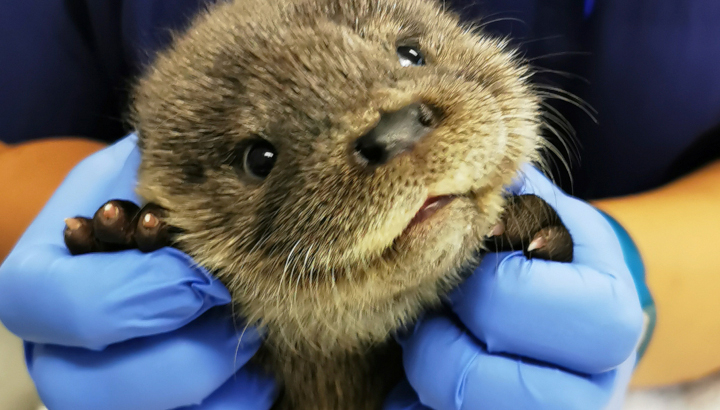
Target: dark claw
(78, 236)
(151, 232)
(556, 244)
(114, 223)
(119, 225)
(527, 218)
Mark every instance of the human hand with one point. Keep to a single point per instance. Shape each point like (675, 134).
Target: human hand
(531, 334)
(123, 330)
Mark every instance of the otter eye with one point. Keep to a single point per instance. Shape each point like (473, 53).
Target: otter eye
(259, 159)
(410, 56)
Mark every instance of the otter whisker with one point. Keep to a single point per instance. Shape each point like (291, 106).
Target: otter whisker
(560, 91)
(579, 104)
(562, 134)
(539, 39)
(481, 25)
(560, 119)
(558, 54)
(542, 70)
(287, 261)
(307, 255)
(299, 276)
(557, 94)
(553, 149)
(239, 343)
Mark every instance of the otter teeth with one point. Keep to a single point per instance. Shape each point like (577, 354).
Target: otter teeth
(431, 205)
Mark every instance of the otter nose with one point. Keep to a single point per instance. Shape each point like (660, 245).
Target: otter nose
(395, 133)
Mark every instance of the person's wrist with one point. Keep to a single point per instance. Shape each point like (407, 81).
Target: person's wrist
(635, 264)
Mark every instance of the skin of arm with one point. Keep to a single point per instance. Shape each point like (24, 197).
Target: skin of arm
(29, 174)
(677, 230)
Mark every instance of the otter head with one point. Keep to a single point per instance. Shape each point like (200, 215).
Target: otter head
(334, 162)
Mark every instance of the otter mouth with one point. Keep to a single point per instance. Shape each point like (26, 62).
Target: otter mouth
(429, 208)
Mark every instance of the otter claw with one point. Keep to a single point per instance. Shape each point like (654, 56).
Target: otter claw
(538, 242)
(73, 224)
(119, 225)
(110, 211)
(150, 221)
(497, 230)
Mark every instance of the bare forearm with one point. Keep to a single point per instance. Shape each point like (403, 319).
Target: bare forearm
(677, 230)
(29, 174)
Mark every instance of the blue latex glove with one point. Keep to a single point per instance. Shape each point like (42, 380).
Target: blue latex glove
(123, 330)
(532, 334)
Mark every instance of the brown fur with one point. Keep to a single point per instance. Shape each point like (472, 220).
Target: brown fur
(316, 252)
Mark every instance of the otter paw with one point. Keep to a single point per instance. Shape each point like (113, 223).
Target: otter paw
(118, 225)
(530, 224)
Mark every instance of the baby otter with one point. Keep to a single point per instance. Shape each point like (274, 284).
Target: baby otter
(337, 164)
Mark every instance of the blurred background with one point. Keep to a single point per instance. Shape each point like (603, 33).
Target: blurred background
(16, 389)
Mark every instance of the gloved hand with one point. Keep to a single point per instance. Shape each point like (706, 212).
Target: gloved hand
(531, 334)
(125, 330)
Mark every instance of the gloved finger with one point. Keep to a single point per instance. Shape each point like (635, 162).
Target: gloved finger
(403, 397)
(623, 376)
(248, 389)
(450, 370)
(93, 300)
(585, 316)
(171, 370)
(48, 296)
(566, 314)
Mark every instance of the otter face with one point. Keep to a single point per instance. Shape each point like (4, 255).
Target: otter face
(334, 162)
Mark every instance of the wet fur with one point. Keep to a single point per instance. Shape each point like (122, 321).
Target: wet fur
(316, 253)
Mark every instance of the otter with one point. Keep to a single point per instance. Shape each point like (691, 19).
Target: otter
(338, 165)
